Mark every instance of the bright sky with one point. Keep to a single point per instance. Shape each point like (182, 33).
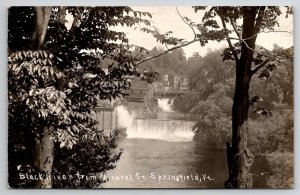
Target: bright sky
(167, 19)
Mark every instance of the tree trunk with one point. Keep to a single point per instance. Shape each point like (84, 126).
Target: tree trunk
(42, 19)
(43, 144)
(62, 12)
(239, 156)
(43, 158)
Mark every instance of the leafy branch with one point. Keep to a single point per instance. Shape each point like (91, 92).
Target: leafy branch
(228, 40)
(185, 21)
(167, 51)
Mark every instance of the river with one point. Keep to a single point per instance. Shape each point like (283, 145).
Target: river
(159, 160)
(160, 153)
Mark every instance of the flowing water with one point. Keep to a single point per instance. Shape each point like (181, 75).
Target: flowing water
(169, 130)
(165, 104)
(160, 153)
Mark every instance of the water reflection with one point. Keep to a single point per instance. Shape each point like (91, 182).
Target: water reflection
(148, 157)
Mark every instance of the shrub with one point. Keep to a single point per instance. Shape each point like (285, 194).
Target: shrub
(90, 157)
(270, 134)
(281, 165)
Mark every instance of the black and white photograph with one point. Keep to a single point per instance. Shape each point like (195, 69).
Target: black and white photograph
(150, 97)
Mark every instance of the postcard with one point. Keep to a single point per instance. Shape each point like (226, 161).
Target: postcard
(150, 97)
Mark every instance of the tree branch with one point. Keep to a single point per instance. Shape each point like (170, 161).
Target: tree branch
(171, 49)
(259, 67)
(166, 46)
(177, 47)
(259, 18)
(186, 22)
(228, 40)
(76, 21)
(273, 31)
(235, 29)
(271, 57)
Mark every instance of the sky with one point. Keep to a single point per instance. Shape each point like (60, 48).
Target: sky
(167, 19)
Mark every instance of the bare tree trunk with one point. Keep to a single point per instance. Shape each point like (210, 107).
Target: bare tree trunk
(239, 156)
(42, 19)
(43, 158)
(62, 12)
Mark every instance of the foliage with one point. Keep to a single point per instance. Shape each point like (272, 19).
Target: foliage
(21, 20)
(211, 70)
(281, 165)
(268, 134)
(186, 102)
(171, 63)
(204, 73)
(214, 124)
(165, 38)
(90, 157)
(58, 87)
(279, 83)
(272, 134)
(249, 60)
(194, 62)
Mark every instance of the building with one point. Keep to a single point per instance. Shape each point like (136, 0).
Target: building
(137, 91)
(172, 83)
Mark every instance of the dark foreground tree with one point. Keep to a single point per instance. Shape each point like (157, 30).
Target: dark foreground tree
(254, 21)
(56, 76)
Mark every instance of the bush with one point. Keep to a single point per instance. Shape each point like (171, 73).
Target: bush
(281, 166)
(92, 156)
(270, 134)
(214, 123)
(186, 102)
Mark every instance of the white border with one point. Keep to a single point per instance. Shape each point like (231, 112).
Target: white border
(3, 92)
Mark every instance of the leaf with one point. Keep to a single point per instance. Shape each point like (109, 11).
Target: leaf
(27, 101)
(51, 70)
(62, 144)
(24, 54)
(31, 68)
(40, 54)
(14, 67)
(49, 62)
(45, 62)
(36, 67)
(31, 92)
(41, 92)
(57, 109)
(39, 70)
(45, 54)
(51, 56)
(18, 69)
(75, 128)
(20, 56)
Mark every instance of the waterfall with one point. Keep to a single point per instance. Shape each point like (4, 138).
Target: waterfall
(169, 130)
(124, 118)
(165, 104)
